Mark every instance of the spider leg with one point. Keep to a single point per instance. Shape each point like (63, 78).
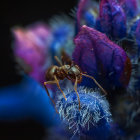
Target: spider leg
(50, 82)
(58, 60)
(75, 88)
(57, 82)
(95, 82)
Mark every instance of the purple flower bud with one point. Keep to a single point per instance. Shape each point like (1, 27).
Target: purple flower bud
(30, 49)
(130, 7)
(112, 19)
(94, 117)
(101, 58)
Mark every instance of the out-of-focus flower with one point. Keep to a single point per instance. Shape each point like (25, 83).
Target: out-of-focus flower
(31, 49)
(27, 100)
(93, 119)
(101, 58)
(112, 19)
(62, 36)
(87, 13)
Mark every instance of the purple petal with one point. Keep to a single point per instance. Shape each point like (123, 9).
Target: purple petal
(101, 58)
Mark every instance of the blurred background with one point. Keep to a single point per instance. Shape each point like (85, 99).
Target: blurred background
(19, 117)
(23, 14)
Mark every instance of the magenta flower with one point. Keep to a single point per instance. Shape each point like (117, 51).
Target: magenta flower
(101, 58)
(31, 49)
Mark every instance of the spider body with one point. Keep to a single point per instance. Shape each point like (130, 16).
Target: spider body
(70, 71)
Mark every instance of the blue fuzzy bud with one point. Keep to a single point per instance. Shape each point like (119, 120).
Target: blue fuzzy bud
(93, 118)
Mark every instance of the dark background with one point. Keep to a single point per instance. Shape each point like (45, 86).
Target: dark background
(23, 13)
